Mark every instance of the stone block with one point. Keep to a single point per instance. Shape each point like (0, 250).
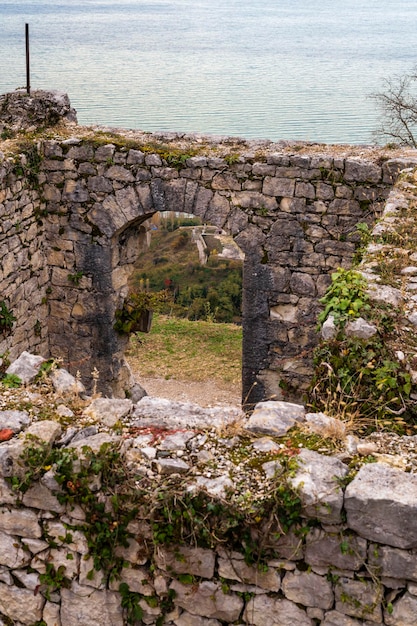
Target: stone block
(308, 589)
(278, 187)
(233, 567)
(207, 599)
(12, 553)
(263, 610)
(344, 551)
(381, 505)
(359, 599)
(394, 563)
(21, 605)
(186, 560)
(20, 522)
(89, 607)
(317, 481)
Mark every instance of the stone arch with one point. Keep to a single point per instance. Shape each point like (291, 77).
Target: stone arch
(291, 214)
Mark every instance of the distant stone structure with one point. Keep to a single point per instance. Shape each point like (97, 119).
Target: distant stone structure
(72, 210)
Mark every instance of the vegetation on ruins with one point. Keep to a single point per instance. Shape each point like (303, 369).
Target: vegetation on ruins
(398, 105)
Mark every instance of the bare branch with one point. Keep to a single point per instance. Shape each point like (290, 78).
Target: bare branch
(398, 106)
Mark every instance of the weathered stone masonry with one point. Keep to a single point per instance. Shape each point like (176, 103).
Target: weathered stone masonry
(292, 213)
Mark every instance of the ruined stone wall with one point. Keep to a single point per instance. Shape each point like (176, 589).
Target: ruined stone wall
(350, 560)
(24, 275)
(293, 215)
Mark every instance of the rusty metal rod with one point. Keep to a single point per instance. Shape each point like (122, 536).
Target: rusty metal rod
(27, 59)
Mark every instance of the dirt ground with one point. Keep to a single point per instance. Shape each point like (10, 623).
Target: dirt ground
(207, 393)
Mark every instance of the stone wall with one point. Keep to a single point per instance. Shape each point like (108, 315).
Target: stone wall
(291, 208)
(348, 559)
(24, 275)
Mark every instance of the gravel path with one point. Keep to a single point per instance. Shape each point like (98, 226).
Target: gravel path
(207, 393)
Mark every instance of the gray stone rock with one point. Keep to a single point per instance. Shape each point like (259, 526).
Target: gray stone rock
(334, 618)
(325, 425)
(65, 383)
(343, 551)
(24, 523)
(26, 367)
(360, 328)
(233, 567)
(186, 560)
(163, 412)
(15, 420)
(381, 505)
(21, 605)
(359, 599)
(187, 619)
(394, 563)
(317, 481)
(46, 431)
(108, 411)
(89, 607)
(308, 589)
(329, 329)
(12, 552)
(275, 417)
(170, 466)
(208, 600)
(263, 610)
(216, 487)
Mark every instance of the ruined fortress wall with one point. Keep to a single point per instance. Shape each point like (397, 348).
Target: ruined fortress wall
(24, 274)
(350, 560)
(293, 214)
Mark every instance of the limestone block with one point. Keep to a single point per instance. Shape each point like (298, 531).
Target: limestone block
(187, 619)
(26, 367)
(317, 483)
(137, 578)
(104, 153)
(329, 329)
(263, 610)
(308, 589)
(12, 553)
(358, 171)
(89, 607)
(108, 410)
(274, 186)
(119, 173)
(394, 563)
(28, 580)
(360, 328)
(334, 618)
(7, 495)
(302, 284)
(40, 497)
(66, 383)
(186, 560)
(170, 466)
(20, 522)
(51, 614)
(15, 420)
(135, 553)
(325, 425)
(91, 577)
(99, 184)
(381, 505)
(234, 568)
(208, 600)
(75, 191)
(21, 605)
(344, 551)
(47, 431)
(359, 599)
(275, 417)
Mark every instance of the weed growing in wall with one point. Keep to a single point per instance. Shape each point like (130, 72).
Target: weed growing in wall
(361, 380)
(7, 318)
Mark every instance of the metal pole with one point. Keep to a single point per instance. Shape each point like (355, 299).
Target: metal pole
(27, 59)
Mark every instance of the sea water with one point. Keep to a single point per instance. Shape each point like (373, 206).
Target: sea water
(276, 69)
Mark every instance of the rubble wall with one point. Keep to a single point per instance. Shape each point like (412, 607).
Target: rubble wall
(24, 274)
(74, 208)
(70, 553)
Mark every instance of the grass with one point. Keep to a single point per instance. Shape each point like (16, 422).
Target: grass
(188, 350)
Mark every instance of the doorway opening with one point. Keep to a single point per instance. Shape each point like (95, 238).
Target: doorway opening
(193, 350)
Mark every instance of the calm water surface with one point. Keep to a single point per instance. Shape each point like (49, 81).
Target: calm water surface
(277, 69)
